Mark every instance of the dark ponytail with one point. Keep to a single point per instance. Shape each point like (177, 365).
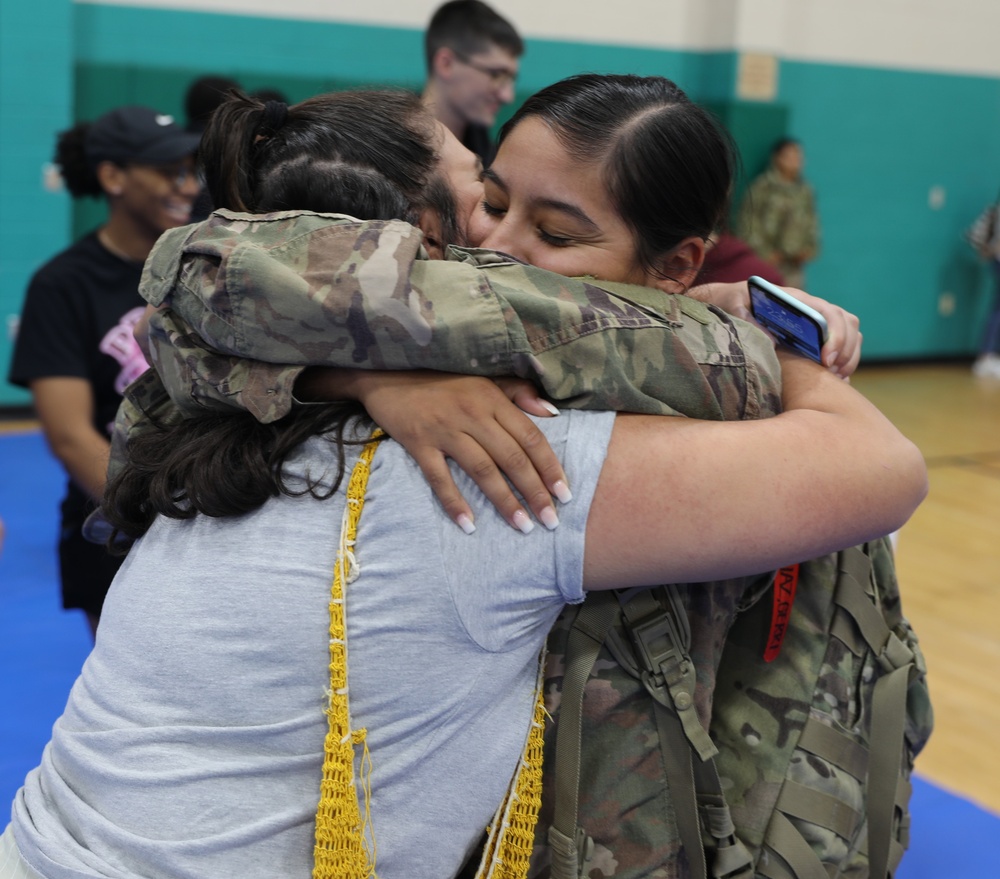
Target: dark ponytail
(226, 152)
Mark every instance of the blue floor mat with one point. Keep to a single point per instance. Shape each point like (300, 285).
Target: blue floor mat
(949, 838)
(43, 647)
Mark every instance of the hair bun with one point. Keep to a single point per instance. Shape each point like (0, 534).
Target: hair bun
(273, 116)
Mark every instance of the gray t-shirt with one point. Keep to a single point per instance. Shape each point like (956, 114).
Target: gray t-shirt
(191, 745)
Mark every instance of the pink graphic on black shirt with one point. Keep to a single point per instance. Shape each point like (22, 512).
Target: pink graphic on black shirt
(121, 344)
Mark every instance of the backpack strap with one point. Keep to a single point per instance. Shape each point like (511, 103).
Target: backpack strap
(861, 626)
(797, 860)
(569, 843)
(661, 638)
(661, 635)
(899, 845)
(730, 857)
(678, 764)
(659, 655)
(888, 723)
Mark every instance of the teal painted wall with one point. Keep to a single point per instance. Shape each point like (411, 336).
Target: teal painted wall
(166, 39)
(876, 141)
(36, 98)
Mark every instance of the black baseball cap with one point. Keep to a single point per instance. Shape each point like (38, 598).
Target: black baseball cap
(138, 134)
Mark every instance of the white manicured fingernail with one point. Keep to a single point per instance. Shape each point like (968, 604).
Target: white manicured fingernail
(522, 523)
(548, 407)
(549, 518)
(562, 492)
(465, 523)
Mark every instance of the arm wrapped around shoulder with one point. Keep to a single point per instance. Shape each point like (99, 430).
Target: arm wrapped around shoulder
(709, 500)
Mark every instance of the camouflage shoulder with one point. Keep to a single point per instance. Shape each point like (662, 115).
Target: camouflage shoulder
(513, 275)
(668, 304)
(290, 236)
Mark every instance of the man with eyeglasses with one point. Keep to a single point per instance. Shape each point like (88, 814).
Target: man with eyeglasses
(472, 64)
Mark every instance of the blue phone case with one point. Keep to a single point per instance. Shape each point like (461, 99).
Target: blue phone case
(793, 324)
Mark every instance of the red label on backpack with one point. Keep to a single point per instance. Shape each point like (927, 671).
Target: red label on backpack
(786, 581)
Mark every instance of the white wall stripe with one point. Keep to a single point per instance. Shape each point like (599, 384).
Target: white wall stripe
(947, 36)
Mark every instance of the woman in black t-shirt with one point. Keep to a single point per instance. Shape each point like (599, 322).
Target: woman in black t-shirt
(75, 349)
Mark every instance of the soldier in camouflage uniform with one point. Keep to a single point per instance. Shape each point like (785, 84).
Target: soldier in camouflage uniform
(778, 215)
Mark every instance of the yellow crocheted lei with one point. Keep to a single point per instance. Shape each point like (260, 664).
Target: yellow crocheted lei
(344, 841)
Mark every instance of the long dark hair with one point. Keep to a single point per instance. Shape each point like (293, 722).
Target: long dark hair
(218, 464)
(667, 164)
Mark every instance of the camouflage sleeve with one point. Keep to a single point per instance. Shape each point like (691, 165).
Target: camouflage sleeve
(298, 289)
(633, 349)
(306, 289)
(196, 377)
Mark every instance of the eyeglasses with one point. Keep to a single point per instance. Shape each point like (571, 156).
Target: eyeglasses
(499, 76)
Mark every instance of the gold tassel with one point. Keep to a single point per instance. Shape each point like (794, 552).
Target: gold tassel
(344, 846)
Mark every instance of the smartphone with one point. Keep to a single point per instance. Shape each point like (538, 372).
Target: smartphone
(793, 323)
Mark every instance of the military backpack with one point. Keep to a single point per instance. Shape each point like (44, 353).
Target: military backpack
(820, 706)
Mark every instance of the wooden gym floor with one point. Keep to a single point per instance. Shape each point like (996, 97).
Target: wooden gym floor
(948, 560)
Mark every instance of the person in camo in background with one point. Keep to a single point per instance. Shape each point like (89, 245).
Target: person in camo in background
(268, 232)
(75, 349)
(778, 217)
(472, 56)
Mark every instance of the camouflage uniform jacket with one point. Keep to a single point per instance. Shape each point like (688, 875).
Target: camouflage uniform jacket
(299, 288)
(778, 217)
